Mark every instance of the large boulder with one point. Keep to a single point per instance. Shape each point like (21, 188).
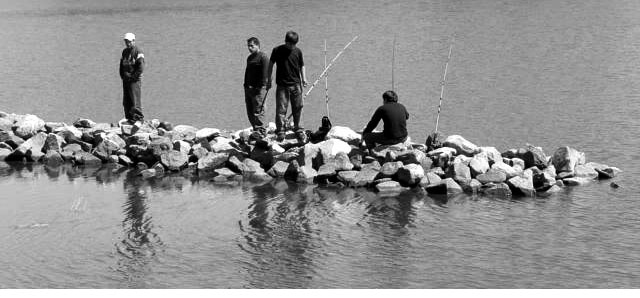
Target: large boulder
(278, 169)
(6, 124)
(534, 157)
(365, 177)
(492, 176)
(492, 154)
(460, 172)
(479, 164)
(461, 145)
(332, 147)
(174, 160)
(348, 177)
(390, 169)
(86, 158)
(206, 133)
(28, 126)
(498, 190)
(306, 174)
(53, 142)
(68, 131)
(565, 159)
(345, 134)
(184, 132)
(429, 179)
(52, 158)
(31, 148)
(507, 169)
(585, 171)
(410, 174)
(447, 186)
(211, 161)
(523, 185)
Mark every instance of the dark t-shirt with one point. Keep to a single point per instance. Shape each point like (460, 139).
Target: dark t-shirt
(257, 70)
(289, 62)
(394, 116)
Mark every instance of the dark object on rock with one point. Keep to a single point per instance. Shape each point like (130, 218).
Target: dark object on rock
(614, 185)
(607, 173)
(434, 141)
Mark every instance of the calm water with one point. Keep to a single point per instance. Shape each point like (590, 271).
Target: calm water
(549, 73)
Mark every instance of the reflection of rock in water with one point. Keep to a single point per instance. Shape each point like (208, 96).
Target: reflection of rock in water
(140, 243)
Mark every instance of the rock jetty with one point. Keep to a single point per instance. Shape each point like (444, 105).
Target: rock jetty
(444, 165)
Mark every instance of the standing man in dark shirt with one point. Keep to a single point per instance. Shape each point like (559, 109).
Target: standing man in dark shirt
(131, 68)
(290, 78)
(394, 115)
(255, 87)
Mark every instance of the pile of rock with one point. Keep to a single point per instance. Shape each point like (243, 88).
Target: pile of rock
(159, 148)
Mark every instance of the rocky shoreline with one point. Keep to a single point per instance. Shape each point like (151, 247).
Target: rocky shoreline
(445, 165)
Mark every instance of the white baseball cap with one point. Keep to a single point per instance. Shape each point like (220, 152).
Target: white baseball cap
(129, 36)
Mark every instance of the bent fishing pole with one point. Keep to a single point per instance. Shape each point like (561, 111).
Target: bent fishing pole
(324, 72)
(444, 79)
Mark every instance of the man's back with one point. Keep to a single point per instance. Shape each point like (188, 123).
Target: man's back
(289, 62)
(394, 115)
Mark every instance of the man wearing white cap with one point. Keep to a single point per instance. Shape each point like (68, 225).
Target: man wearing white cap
(131, 68)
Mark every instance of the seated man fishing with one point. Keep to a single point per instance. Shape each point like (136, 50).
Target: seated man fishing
(394, 115)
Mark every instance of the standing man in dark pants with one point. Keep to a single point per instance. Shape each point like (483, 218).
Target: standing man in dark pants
(290, 78)
(131, 68)
(394, 115)
(255, 87)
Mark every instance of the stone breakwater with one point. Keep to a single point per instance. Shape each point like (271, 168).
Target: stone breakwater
(445, 165)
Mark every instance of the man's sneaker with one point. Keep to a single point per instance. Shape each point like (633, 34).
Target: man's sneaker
(280, 137)
(256, 135)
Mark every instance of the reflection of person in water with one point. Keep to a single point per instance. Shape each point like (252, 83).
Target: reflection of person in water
(279, 234)
(139, 239)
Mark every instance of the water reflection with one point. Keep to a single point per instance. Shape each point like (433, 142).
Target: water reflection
(139, 246)
(279, 235)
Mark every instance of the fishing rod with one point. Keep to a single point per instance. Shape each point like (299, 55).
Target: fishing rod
(393, 65)
(329, 66)
(444, 78)
(326, 79)
(324, 72)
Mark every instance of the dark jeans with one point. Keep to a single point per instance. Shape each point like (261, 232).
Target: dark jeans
(131, 101)
(284, 94)
(373, 138)
(254, 99)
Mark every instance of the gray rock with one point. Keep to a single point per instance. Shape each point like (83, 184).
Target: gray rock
(251, 166)
(522, 185)
(479, 164)
(210, 162)
(461, 145)
(344, 134)
(389, 186)
(278, 169)
(84, 123)
(498, 190)
(507, 169)
(174, 160)
(4, 153)
(306, 174)
(53, 142)
(53, 159)
(390, 169)
(184, 132)
(87, 159)
(576, 181)
(585, 171)
(327, 171)
(459, 172)
(206, 133)
(492, 154)
(199, 152)
(348, 177)
(446, 186)
(492, 176)
(410, 174)
(365, 177)
(534, 157)
(342, 162)
(565, 159)
(147, 173)
(234, 164)
(28, 126)
(224, 172)
(125, 160)
(374, 165)
(430, 179)
(6, 124)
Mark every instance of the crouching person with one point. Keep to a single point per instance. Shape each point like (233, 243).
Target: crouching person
(394, 115)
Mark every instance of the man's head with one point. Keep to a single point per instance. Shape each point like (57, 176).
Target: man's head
(291, 37)
(389, 96)
(253, 44)
(129, 39)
